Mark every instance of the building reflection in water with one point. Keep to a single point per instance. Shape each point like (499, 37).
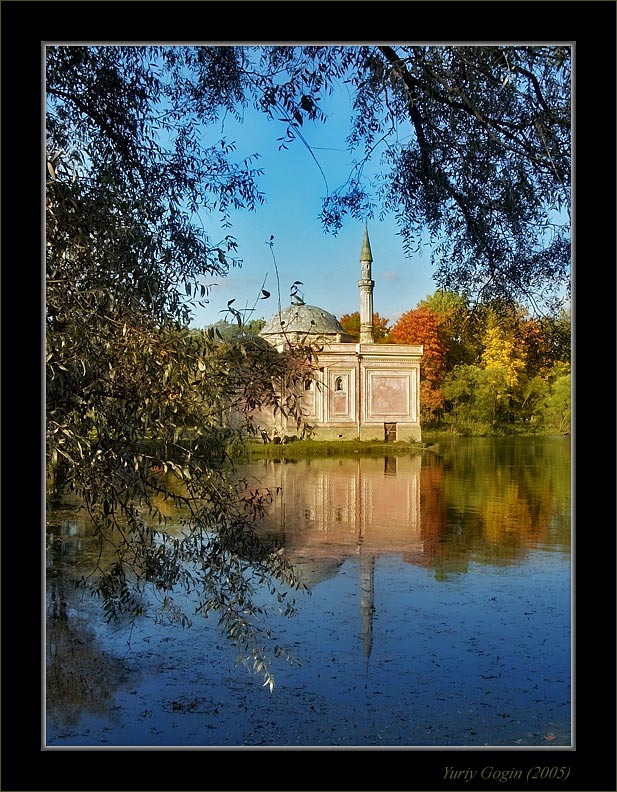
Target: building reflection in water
(336, 503)
(334, 509)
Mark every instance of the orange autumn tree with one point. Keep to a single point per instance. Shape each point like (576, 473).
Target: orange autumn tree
(351, 324)
(422, 326)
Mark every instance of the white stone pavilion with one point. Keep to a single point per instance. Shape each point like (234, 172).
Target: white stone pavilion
(364, 390)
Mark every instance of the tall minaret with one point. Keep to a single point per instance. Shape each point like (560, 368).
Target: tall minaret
(366, 292)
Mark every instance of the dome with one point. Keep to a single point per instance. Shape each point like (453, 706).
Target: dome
(301, 320)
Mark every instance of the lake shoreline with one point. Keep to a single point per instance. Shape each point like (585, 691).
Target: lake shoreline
(434, 611)
(294, 448)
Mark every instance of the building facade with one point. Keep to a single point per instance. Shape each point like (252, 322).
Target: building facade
(363, 390)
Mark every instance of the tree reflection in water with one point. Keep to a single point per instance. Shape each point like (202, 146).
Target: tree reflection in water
(81, 676)
(454, 566)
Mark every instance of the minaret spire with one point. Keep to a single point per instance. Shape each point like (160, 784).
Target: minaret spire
(366, 285)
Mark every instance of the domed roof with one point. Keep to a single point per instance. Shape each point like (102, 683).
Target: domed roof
(306, 320)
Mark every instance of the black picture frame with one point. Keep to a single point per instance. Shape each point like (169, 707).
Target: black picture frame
(590, 26)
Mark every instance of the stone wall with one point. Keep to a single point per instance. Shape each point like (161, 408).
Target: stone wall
(359, 389)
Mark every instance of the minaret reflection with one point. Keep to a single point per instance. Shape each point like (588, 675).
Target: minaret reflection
(367, 576)
(367, 603)
(330, 510)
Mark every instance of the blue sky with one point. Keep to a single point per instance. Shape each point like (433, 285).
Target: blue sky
(327, 265)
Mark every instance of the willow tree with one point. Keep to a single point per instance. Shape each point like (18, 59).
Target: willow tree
(139, 408)
(475, 151)
(475, 148)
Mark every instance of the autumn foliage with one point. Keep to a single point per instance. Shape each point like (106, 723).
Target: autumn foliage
(486, 368)
(422, 326)
(483, 368)
(351, 325)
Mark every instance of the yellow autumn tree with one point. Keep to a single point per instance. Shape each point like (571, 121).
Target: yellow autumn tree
(503, 362)
(501, 352)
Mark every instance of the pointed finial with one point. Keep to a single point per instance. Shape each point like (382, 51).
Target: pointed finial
(366, 254)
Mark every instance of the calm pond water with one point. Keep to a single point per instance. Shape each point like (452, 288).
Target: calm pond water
(439, 615)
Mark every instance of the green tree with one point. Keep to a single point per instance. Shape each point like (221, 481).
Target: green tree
(478, 399)
(139, 409)
(558, 408)
(477, 140)
(465, 391)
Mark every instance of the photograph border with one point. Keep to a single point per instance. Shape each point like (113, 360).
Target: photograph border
(25, 766)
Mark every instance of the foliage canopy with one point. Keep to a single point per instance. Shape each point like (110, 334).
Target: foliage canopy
(474, 144)
(139, 409)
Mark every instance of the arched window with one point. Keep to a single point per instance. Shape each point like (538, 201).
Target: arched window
(308, 385)
(338, 384)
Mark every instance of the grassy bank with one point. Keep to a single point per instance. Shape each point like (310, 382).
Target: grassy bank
(301, 449)
(484, 430)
